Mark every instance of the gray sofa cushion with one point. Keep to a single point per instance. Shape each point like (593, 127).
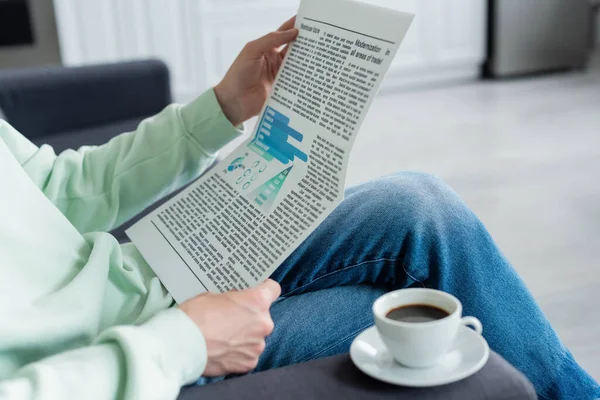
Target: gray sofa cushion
(337, 378)
(43, 102)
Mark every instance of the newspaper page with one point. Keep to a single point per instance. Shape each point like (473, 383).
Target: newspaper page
(236, 225)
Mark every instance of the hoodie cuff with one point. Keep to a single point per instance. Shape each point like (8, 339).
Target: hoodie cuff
(184, 345)
(205, 122)
(169, 340)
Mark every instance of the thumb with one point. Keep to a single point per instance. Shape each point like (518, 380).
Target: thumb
(265, 293)
(273, 40)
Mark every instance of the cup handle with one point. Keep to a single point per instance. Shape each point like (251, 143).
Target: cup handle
(468, 321)
(473, 322)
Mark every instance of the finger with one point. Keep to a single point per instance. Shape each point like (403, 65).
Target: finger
(258, 298)
(267, 325)
(275, 62)
(285, 50)
(273, 40)
(271, 289)
(268, 292)
(287, 25)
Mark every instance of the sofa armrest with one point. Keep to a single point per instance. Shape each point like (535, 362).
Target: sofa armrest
(337, 378)
(41, 102)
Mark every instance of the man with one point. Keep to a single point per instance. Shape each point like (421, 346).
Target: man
(82, 317)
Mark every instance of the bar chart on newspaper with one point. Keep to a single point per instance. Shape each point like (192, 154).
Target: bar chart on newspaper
(273, 138)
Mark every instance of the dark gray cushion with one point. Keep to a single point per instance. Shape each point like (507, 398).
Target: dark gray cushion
(42, 102)
(337, 378)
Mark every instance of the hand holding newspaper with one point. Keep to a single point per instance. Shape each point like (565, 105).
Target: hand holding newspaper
(236, 225)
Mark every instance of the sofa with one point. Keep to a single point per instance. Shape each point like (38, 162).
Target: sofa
(73, 107)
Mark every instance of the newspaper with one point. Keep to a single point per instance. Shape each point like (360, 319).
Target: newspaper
(236, 225)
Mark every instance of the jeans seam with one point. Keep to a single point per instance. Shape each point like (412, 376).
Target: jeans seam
(412, 277)
(338, 271)
(314, 356)
(352, 267)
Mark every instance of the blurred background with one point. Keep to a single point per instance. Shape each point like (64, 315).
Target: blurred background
(501, 98)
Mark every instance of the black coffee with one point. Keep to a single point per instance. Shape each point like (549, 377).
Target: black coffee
(417, 313)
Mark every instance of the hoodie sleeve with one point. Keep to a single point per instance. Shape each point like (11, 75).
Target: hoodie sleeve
(99, 188)
(150, 361)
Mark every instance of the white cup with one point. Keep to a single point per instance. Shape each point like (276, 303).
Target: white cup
(420, 344)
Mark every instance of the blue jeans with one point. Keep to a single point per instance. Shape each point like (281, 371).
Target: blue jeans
(405, 230)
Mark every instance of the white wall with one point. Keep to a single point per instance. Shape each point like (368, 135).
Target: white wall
(200, 38)
(197, 38)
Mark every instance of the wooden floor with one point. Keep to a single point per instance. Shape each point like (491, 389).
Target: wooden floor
(525, 155)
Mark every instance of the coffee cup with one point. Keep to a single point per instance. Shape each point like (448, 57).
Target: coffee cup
(419, 326)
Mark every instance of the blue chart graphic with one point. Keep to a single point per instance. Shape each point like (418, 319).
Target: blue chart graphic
(237, 163)
(266, 195)
(271, 140)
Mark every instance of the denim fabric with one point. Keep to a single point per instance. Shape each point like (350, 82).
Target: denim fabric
(404, 230)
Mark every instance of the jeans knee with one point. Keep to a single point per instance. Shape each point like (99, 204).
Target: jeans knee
(412, 198)
(422, 187)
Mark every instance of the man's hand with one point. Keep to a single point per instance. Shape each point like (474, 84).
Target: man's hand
(234, 325)
(248, 82)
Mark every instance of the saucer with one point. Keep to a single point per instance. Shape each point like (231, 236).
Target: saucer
(370, 355)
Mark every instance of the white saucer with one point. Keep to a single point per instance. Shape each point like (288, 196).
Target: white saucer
(371, 356)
